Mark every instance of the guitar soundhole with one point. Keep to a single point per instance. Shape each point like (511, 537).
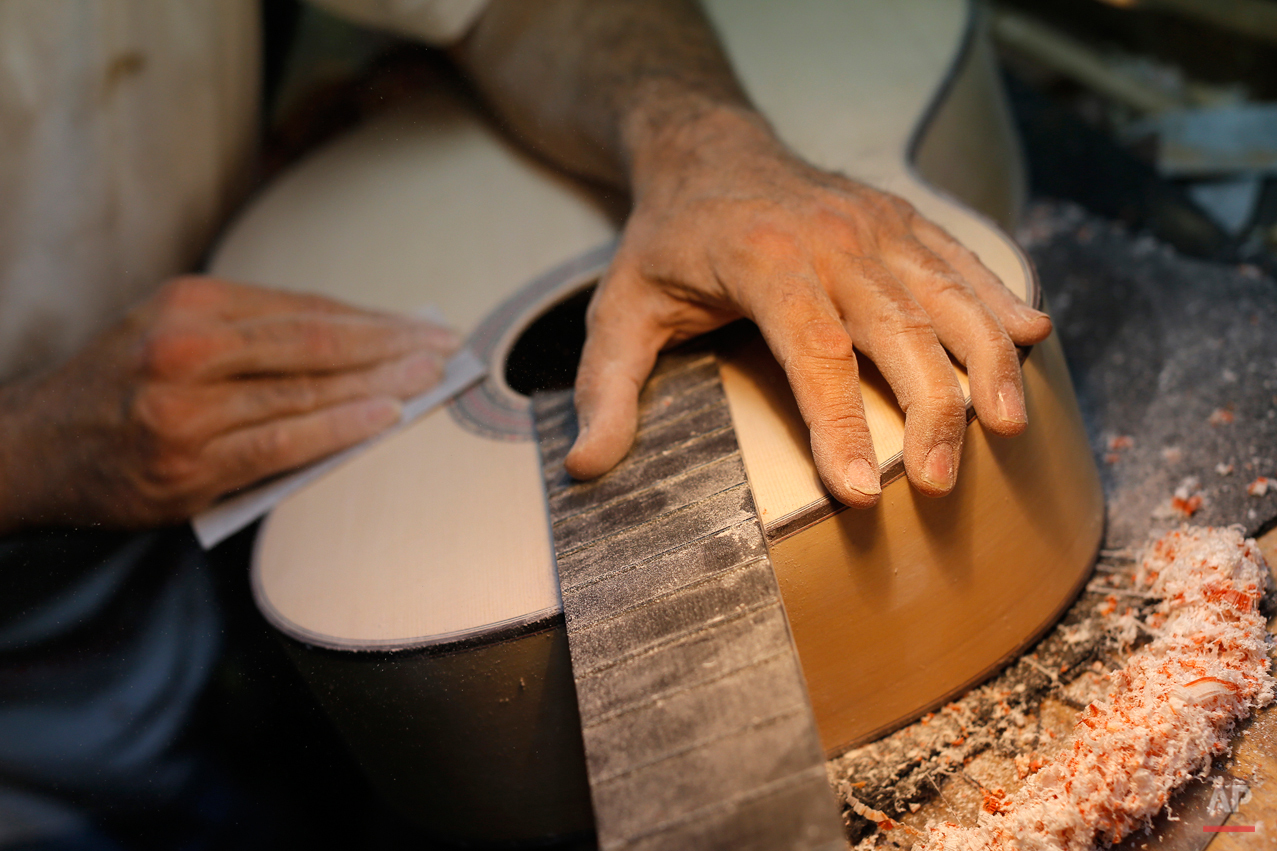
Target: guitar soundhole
(545, 355)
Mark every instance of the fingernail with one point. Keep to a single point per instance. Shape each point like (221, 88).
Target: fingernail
(1029, 314)
(447, 339)
(938, 469)
(382, 412)
(863, 478)
(1011, 404)
(422, 368)
(440, 336)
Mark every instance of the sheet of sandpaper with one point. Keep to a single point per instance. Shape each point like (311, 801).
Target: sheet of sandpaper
(698, 730)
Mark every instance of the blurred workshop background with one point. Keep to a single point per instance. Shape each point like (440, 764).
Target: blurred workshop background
(1161, 114)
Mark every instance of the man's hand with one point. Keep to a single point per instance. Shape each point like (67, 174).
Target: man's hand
(726, 224)
(206, 387)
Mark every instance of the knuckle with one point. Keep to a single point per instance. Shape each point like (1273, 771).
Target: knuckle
(268, 447)
(825, 340)
(902, 317)
(888, 208)
(171, 350)
(322, 343)
(604, 307)
(901, 208)
(996, 341)
(944, 400)
(187, 292)
(170, 472)
(943, 283)
(165, 437)
(941, 277)
(842, 418)
(300, 394)
(770, 240)
(160, 410)
(159, 351)
(838, 227)
(932, 264)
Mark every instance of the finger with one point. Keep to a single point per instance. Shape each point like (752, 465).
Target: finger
(895, 332)
(809, 341)
(192, 415)
(205, 294)
(1025, 325)
(246, 455)
(969, 329)
(622, 341)
(280, 344)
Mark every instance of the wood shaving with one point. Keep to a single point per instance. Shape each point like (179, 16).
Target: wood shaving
(1171, 709)
(1184, 503)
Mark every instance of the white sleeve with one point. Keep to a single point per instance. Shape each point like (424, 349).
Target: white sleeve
(437, 22)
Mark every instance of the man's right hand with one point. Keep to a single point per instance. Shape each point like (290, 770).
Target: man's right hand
(205, 388)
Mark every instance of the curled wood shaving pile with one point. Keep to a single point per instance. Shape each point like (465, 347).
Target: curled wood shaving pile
(1172, 707)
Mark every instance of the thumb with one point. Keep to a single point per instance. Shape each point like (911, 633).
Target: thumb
(621, 344)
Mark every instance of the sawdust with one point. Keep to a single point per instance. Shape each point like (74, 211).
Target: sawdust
(975, 753)
(1175, 367)
(1028, 712)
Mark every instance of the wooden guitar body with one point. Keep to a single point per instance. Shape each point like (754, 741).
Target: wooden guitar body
(415, 585)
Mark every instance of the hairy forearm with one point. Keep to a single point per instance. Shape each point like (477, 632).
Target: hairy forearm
(604, 87)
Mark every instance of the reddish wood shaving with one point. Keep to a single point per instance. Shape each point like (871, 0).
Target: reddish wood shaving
(1171, 709)
(1187, 507)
